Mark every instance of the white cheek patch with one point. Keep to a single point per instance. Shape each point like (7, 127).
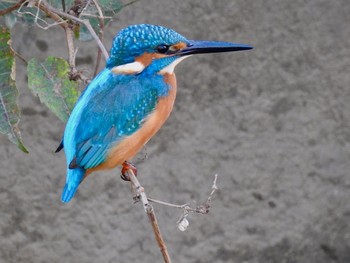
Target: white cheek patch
(130, 68)
(170, 68)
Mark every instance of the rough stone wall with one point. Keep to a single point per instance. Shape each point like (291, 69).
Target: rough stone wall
(272, 122)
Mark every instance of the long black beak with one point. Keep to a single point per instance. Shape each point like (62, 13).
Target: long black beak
(201, 47)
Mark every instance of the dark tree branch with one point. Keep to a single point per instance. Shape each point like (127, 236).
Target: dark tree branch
(63, 2)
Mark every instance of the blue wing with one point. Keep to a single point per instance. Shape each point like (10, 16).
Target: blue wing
(112, 106)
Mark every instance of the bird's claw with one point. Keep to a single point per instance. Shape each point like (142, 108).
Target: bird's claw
(127, 166)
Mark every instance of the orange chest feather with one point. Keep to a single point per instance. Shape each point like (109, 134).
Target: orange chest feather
(131, 145)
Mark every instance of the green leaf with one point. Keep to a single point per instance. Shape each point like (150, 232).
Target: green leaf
(49, 81)
(9, 110)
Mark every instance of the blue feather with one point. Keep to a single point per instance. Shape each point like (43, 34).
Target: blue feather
(74, 178)
(127, 45)
(114, 106)
(98, 128)
(111, 107)
(96, 157)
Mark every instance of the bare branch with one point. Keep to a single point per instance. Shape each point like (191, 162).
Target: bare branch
(99, 43)
(168, 204)
(95, 16)
(71, 53)
(141, 195)
(201, 209)
(67, 25)
(11, 8)
(43, 6)
(19, 56)
(139, 190)
(100, 34)
(131, 2)
(163, 249)
(57, 16)
(84, 5)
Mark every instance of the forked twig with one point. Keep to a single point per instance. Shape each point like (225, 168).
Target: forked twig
(57, 15)
(201, 209)
(141, 195)
(67, 21)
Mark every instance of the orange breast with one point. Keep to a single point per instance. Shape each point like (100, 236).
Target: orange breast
(132, 144)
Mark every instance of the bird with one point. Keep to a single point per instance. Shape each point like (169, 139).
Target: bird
(124, 106)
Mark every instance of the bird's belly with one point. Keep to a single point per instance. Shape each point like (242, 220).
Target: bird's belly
(128, 147)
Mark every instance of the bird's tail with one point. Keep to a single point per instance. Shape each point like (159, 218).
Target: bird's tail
(74, 178)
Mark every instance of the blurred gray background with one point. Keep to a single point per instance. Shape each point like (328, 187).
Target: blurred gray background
(272, 122)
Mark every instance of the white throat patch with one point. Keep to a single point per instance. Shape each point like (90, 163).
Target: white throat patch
(130, 68)
(137, 67)
(170, 68)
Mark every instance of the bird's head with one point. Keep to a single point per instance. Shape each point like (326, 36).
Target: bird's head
(158, 49)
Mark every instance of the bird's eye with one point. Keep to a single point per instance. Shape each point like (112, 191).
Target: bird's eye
(162, 48)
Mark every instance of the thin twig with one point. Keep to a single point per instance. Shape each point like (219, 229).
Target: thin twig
(57, 15)
(183, 223)
(86, 23)
(140, 191)
(19, 56)
(84, 5)
(100, 35)
(99, 43)
(11, 8)
(160, 241)
(71, 52)
(63, 5)
(54, 13)
(95, 16)
(130, 3)
(167, 204)
(43, 6)
(201, 209)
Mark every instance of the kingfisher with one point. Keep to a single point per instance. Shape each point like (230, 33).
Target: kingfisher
(124, 106)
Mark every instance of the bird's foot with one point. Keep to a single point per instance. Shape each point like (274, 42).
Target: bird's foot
(126, 166)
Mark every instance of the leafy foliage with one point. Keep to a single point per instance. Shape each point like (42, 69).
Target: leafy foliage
(9, 110)
(31, 15)
(23, 14)
(49, 81)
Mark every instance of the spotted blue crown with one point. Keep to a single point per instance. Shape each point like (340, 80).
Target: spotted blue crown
(135, 40)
